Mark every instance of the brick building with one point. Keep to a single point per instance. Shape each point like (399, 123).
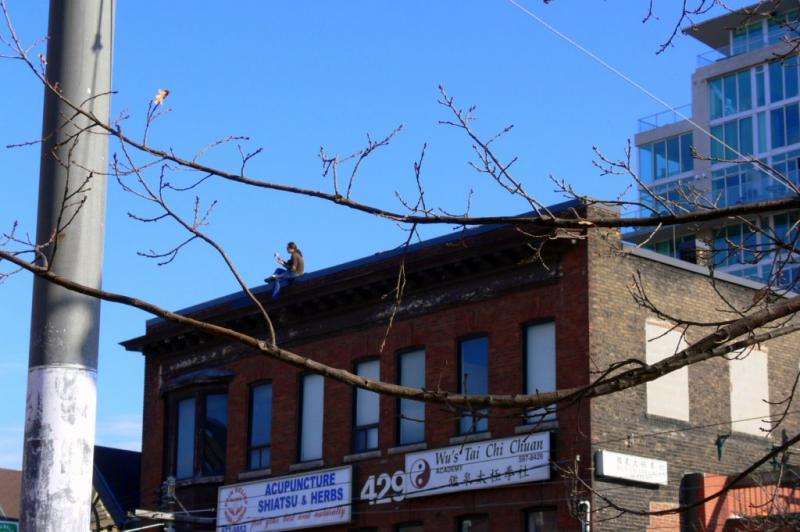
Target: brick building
(481, 313)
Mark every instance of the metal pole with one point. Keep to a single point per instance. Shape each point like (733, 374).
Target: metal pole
(62, 367)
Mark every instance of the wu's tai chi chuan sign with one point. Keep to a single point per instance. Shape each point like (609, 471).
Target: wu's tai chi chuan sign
(479, 465)
(470, 466)
(307, 500)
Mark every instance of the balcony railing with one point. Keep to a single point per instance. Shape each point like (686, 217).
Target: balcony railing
(774, 34)
(665, 117)
(741, 194)
(714, 55)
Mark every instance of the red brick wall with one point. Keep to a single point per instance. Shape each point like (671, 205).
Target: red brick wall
(501, 318)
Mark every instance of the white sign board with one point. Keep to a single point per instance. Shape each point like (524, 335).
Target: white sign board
(478, 465)
(630, 467)
(306, 500)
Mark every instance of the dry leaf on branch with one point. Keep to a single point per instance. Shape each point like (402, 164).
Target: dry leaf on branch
(161, 95)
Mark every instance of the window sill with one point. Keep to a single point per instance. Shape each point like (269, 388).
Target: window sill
(467, 438)
(366, 455)
(255, 473)
(216, 479)
(537, 427)
(665, 421)
(408, 448)
(304, 466)
(751, 437)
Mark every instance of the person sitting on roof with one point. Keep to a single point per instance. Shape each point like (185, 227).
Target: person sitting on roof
(292, 268)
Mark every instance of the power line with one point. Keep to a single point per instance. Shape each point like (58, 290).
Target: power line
(640, 87)
(693, 427)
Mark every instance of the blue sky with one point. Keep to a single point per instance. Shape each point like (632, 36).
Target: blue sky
(295, 76)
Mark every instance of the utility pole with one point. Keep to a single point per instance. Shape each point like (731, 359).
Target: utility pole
(62, 367)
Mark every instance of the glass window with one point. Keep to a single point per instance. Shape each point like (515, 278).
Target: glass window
(367, 409)
(729, 97)
(474, 523)
(735, 239)
(746, 136)
(184, 453)
(727, 245)
(474, 379)
(785, 125)
(215, 434)
(790, 77)
(260, 443)
(721, 252)
(715, 96)
(745, 94)
(760, 98)
(775, 29)
(311, 416)
(664, 247)
(762, 131)
(731, 94)
(201, 435)
(666, 158)
(749, 245)
(660, 155)
(717, 151)
(747, 38)
(731, 139)
(777, 127)
(783, 79)
(792, 124)
(540, 521)
(787, 164)
(540, 365)
(687, 162)
(780, 25)
(673, 156)
(646, 163)
(412, 413)
(732, 189)
(739, 41)
(755, 35)
(775, 81)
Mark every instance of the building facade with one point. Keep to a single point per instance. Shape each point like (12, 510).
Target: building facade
(745, 104)
(256, 444)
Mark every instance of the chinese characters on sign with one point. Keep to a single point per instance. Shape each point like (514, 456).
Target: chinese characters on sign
(630, 467)
(307, 500)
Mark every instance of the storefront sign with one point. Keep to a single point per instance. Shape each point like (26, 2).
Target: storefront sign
(8, 526)
(306, 500)
(478, 465)
(629, 467)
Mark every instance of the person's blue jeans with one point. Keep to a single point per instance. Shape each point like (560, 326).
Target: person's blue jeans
(278, 277)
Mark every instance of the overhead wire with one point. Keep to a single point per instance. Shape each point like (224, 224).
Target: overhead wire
(745, 158)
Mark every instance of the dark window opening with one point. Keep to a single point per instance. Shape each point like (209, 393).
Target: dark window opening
(473, 523)
(411, 422)
(367, 409)
(259, 447)
(200, 434)
(473, 362)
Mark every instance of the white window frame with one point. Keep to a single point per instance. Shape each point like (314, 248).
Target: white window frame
(312, 410)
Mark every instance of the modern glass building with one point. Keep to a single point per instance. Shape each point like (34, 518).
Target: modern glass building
(745, 104)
